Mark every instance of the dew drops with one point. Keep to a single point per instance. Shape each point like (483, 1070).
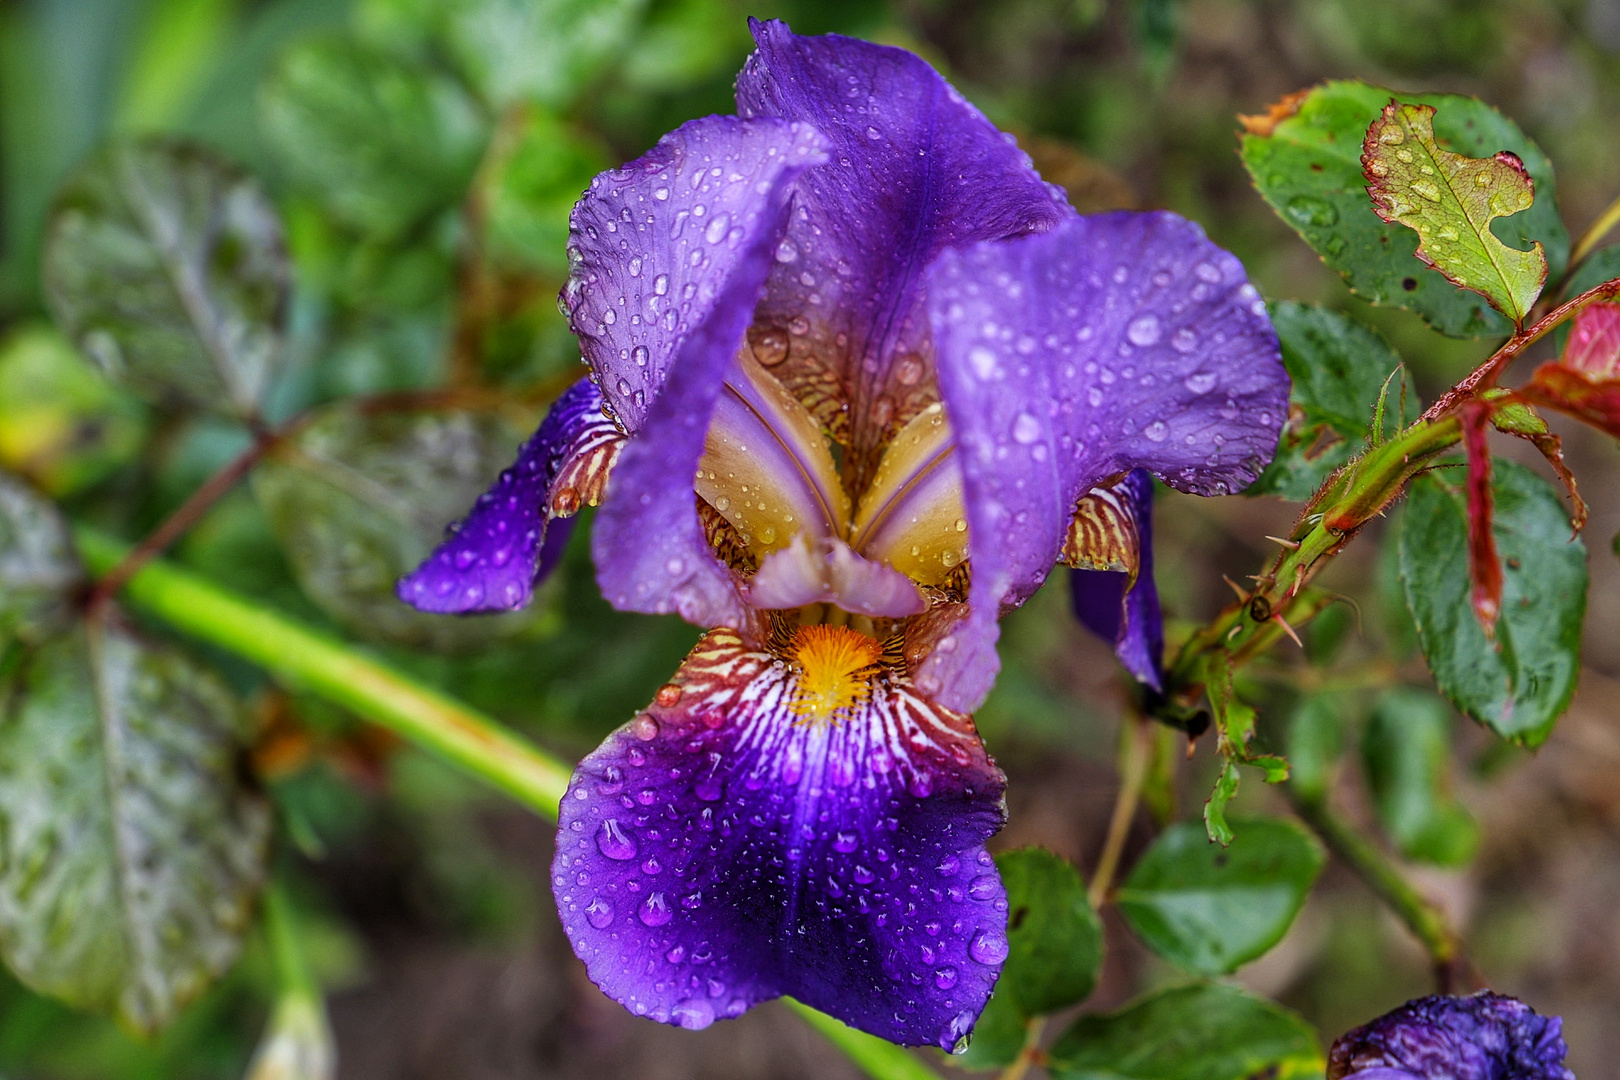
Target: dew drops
(948, 865)
(640, 355)
(1144, 331)
(661, 284)
(845, 842)
(716, 231)
(693, 1014)
(708, 788)
(1201, 382)
(945, 977)
(983, 361)
(984, 887)
(1208, 272)
(614, 841)
(786, 251)
(599, 913)
(1156, 431)
(612, 781)
(769, 346)
(654, 911)
(1026, 428)
(1184, 340)
(988, 947)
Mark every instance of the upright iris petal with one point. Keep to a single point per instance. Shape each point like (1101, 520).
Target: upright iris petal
(866, 369)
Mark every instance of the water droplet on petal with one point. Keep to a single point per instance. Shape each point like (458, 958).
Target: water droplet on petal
(599, 913)
(1201, 382)
(984, 887)
(1026, 428)
(1156, 431)
(614, 841)
(693, 1014)
(845, 842)
(655, 912)
(1144, 331)
(988, 947)
(945, 977)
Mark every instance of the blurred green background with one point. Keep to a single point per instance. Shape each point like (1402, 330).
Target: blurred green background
(423, 155)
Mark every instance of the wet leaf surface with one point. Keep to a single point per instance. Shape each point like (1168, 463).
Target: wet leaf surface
(133, 852)
(1305, 160)
(541, 50)
(39, 570)
(166, 265)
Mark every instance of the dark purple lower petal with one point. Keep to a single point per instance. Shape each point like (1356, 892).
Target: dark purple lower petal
(722, 849)
(494, 557)
(1483, 1037)
(1116, 608)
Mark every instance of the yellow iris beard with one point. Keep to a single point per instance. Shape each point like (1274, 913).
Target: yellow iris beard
(836, 666)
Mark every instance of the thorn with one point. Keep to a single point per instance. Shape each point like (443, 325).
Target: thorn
(1289, 630)
(1299, 582)
(1241, 595)
(1291, 545)
(1192, 748)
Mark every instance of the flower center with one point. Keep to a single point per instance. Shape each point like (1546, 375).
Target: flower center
(836, 669)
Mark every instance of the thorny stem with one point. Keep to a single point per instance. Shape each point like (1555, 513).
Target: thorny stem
(1594, 234)
(1485, 376)
(340, 673)
(1426, 921)
(1133, 758)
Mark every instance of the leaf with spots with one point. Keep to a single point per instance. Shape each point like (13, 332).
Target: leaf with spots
(132, 852)
(1450, 200)
(1304, 158)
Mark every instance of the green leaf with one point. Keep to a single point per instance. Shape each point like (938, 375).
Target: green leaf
(1450, 200)
(167, 267)
(531, 191)
(39, 570)
(544, 51)
(1199, 1032)
(132, 853)
(1520, 684)
(1305, 160)
(1600, 266)
(1315, 741)
(361, 497)
(62, 425)
(1406, 754)
(381, 143)
(1055, 949)
(683, 43)
(1054, 940)
(1338, 368)
(1209, 909)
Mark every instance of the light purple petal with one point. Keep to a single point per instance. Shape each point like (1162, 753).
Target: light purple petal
(827, 571)
(1129, 620)
(1113, 342)
(650, 549)
(720, 850)
(655, 243)
(509, 541)
(914, 169)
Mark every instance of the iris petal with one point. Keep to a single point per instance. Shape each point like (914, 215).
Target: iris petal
(650, 548)
(655, 242)
(1121, 605)
(723, 849)
(1110, 343)
(914, 169)
(513, 535)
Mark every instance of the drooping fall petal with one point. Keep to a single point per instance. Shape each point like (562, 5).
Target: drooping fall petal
(768, 828)
(516, 531)
(1119, 602)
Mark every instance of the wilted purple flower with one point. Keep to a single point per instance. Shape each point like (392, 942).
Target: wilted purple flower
(1484, 1037)
(860, 365)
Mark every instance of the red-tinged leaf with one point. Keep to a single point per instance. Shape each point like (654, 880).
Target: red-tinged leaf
(1522, 422)
(1450, 200)
(1594, 401)
(1484, 568)
(1594, 343)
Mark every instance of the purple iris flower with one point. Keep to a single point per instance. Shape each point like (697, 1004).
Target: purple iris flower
(853, 368)
(1483, 1037)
